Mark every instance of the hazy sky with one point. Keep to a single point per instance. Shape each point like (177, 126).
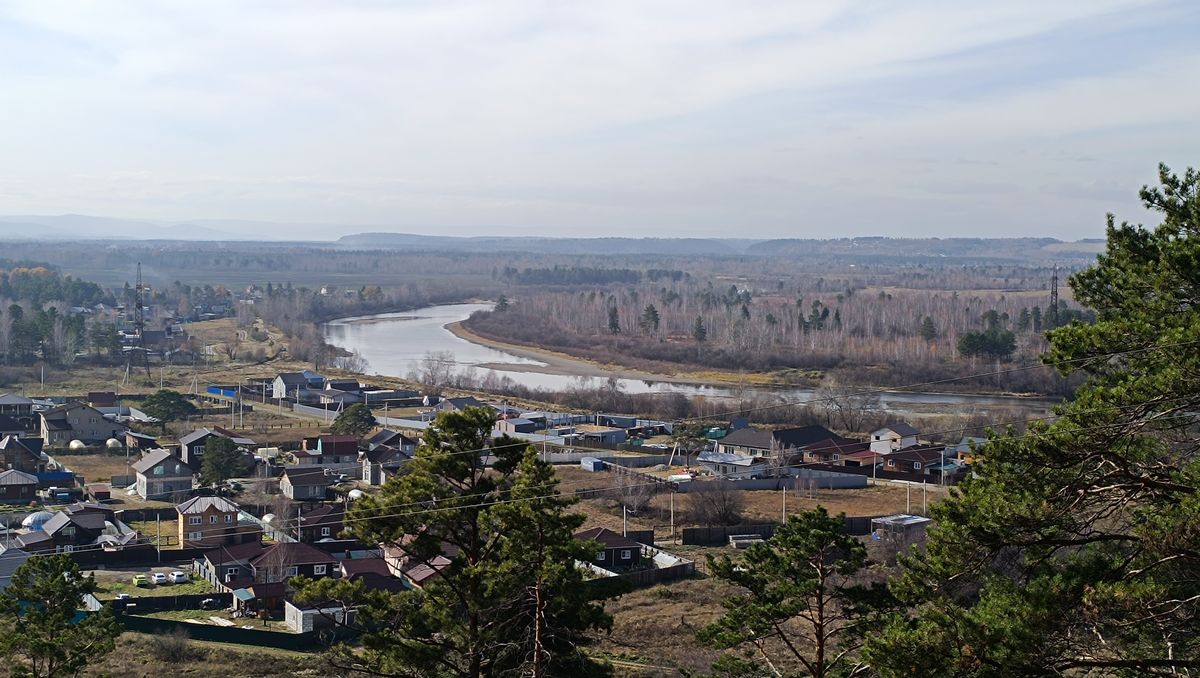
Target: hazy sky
(696, 118)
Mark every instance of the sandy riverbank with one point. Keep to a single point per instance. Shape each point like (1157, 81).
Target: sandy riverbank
(561, 363)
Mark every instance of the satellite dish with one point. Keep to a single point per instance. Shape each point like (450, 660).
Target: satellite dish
(77, 445)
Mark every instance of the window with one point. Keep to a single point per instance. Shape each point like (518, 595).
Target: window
(232, 572)
(625, 554)
(324, 531)
(837, 457)
(194, 520)
(212, 520)
(194, 536)
(293, 571)
(319, 569)
(158, 470)
(917, 465)
(600, 555)
(229, 518)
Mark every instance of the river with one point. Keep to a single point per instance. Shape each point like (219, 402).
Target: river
(393, 344)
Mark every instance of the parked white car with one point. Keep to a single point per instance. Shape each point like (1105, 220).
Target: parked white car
(177, 577)
(158, 578)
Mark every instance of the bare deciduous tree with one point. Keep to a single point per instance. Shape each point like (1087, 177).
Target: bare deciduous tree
(716, 502)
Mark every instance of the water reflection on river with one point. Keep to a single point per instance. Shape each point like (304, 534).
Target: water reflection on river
(393, 344)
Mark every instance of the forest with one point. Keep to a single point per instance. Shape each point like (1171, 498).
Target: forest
(872, 325)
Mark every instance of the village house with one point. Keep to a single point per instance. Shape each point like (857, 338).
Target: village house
(10, 426)
(382, 463)
(782, 443)
(919, 459)
(457, 404)
(77, 421)
(192, 444)
(733, 466)
(229, 566)
(17, 487)
(213, 521)
(616, 551)
(516, 425)
(294, 384)
(327, 449)
(11, 558)
(304, 484)
(392, 439)
(322, 522)
(74, 527)
(23, 454)
(140, 441)
(162, 475)
(21, 419)
(832, 451)
(281, 561)
(893, 437)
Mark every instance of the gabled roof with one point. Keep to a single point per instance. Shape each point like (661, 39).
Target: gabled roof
(33, 446)
(10, 560)
(292, 553)
(293, 378)
(15, 477)
(729, 458)
(308, 476)
(153, 458)
(748, 437)
(922, 453)
(356, 567)
(197, 505)
(14, 399)
(840, 446)
(460, 403)
(202, 432)
(608, 538)
(238, 552)
(141, 436)
(89, 521)
(899, 428)
(802, 436)
(383, 455)
(325, 514)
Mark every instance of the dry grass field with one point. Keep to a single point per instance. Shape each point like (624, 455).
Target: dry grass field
(136, 657)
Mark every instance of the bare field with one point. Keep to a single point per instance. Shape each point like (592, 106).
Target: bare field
(135, 656)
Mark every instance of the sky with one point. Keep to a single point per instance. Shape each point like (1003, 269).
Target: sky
(748, 119)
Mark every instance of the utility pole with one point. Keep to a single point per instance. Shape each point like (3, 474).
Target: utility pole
(783, 489)
(158, 535)
(624, 521)
(672, 516)
(907, 497)
(924, 500)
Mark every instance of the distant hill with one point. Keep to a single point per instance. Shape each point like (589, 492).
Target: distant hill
(612, 246)
(904, 250)
(917, 249)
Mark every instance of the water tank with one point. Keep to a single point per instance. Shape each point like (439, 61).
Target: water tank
(77, 445)
(353, 495)
(113, 444)
(35, 520)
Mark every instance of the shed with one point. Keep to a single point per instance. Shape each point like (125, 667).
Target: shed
(591, 464)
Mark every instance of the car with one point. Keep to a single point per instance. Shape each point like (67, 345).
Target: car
(177, 577)
(124, 596)
(158, 578)
(140, 580)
